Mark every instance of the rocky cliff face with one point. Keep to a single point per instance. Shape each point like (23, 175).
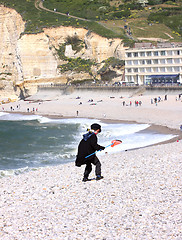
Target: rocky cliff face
(11, 26)
(27, 60)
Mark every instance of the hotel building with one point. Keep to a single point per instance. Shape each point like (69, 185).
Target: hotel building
(147, 64)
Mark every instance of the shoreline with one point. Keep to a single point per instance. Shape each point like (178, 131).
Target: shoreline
(103, 106)
(153, 127)
(138, 198)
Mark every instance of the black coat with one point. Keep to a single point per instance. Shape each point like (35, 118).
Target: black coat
(87, 146)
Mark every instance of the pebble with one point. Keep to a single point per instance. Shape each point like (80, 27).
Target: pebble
(140, 197)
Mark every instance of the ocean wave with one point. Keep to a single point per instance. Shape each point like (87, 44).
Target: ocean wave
(138, 140)
(47, 142)
(122, 129)
(18, 117)
(12, 172)
(3, 113)
(82, 121)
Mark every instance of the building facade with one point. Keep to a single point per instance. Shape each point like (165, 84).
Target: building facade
(157, 65)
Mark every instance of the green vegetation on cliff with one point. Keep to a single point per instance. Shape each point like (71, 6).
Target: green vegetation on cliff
(37, 18)
(126, 19)
(111, 62)
(73, 64)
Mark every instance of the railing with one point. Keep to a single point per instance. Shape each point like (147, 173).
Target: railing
(106, 86)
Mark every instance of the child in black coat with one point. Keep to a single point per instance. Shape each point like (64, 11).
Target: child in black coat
(87, 146)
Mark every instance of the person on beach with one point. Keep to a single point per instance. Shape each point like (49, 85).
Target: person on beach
(87, 146)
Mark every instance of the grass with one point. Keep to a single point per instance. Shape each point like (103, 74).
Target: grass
(141, 29)
(80, 8)
(98, 13)
(36, 20)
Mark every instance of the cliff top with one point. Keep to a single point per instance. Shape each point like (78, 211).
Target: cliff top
(154, 20)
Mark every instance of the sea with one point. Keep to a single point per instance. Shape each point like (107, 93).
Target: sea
(28, 142)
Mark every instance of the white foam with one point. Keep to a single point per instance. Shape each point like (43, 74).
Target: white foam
(18, 117)
(3, 113)
(11, 172)
(137, 141)
(122, 129)
(81, 121)
(129, 134)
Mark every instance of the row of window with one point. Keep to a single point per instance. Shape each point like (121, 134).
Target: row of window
(154, 69)
(154, 61)
(154, 53)
(149, 80)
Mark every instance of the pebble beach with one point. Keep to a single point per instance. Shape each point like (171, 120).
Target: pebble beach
(140, 197)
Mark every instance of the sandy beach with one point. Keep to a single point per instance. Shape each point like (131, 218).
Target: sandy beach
(104, 105)
(139, 198)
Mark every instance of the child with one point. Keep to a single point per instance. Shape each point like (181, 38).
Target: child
(87, 146)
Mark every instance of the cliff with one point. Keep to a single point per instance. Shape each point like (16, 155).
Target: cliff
(28, 60)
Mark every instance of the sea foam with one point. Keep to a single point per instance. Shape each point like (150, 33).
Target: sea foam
(42, 141)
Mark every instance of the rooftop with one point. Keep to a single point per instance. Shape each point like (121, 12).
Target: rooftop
(158, 45)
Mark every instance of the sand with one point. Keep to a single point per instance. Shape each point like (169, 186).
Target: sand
(139, 197)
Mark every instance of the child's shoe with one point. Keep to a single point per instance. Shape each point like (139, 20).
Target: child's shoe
(86, 179)
(99, 177)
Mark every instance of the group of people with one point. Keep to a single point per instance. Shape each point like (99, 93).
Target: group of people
(157, 99)
(17, 108)
(33, 110)
(137, 103)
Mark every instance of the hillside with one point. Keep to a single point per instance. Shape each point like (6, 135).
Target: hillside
(157, 20)
(64, 42)
(60, 55)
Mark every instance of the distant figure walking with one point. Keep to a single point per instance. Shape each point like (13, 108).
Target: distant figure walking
(155, 100)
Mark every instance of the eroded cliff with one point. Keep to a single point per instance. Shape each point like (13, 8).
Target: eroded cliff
(28, 60)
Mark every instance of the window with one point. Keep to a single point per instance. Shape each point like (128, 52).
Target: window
(176, 69)
(142, 54)
(155, 69)
(135, 54)
(156, 53)
(178, 52)
(142, 70)
(162, 69)
(129, 78)
(149, 54)
(163, 53)
(169, 69)
(169, 60)
(149, 70)
(169, 53)
(129, 54)
(129, 70)
(162, 61)
(128, 62)
(176, 60)
(135, 69)
(149, 62)
(155, 61)
(135, 62)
